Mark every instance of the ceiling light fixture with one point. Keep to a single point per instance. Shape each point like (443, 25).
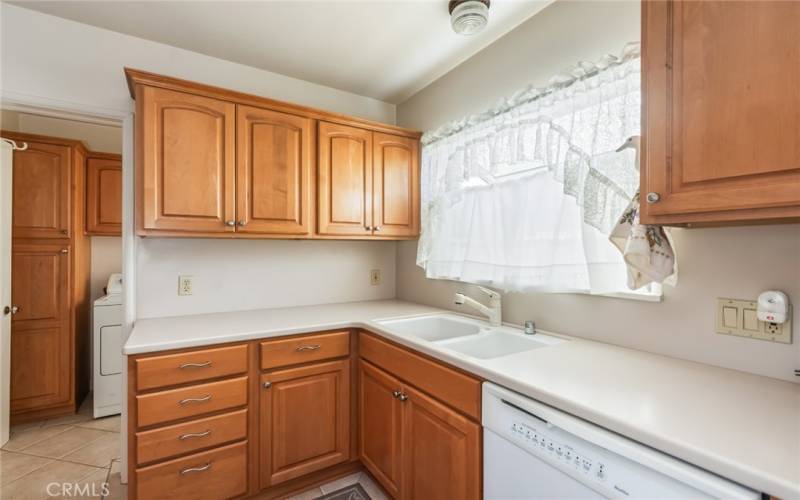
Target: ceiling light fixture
(468, 17)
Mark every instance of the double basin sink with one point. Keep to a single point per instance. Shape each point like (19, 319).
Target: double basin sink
(467, 336)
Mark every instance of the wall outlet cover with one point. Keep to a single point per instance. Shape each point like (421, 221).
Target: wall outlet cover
(185, 285)
(738, 317)
(375, 277)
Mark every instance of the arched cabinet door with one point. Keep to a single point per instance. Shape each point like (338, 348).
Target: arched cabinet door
(42, 191)
(187, 169)
(345, 180)
(274, 169)
(395, 176)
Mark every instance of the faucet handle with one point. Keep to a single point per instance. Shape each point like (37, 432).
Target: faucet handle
(530, 327)
(491, 293)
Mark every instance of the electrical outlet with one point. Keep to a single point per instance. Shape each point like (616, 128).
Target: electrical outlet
(738, 317)
(185, 285)
(375, 277)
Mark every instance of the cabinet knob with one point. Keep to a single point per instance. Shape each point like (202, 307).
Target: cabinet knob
(10, 310)
(403, 397)
(242, 222)
(653, 197)
(230, 223)
(396, 394)
(368, 228)
(377, 228)
(65, 250)
(266, 385)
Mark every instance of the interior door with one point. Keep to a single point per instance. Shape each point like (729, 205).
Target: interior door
(717, 137)
(304, 420)
(380, 420)
(6, 179)
(345, 180)
(41, 199)
(188, 165)
(273, 172)
(396, 185)
(40, 332)
(441, 450)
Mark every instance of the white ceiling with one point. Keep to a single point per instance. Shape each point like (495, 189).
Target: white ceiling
(387, 50)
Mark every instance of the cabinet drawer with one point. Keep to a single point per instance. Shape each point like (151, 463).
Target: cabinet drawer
(185, 402)
(167, 442)
(218, 473)
(457, 389)
(283, 352)
(174, 369)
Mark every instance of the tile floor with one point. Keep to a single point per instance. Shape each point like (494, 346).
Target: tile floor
(78, 457)
(374, 491)
(69, 457)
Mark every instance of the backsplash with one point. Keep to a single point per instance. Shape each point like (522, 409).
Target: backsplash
(236, 275)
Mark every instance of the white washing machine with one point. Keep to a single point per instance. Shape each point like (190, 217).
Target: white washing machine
(107, 359)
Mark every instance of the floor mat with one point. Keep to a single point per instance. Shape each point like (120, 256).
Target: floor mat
(352, 492)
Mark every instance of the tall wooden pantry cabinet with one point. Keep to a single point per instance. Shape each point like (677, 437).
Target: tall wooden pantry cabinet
(50, 279)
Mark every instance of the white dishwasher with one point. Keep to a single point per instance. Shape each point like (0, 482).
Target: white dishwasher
(533, 451)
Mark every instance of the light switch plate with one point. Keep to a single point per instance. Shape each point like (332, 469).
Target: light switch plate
(738, 317)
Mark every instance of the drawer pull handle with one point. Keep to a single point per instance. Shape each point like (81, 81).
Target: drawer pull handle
(195, 435)
(307, 348)
(196, 469)
(195, 365)
(202, 399)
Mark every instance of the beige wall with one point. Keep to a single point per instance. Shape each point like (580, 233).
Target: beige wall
(726, 262)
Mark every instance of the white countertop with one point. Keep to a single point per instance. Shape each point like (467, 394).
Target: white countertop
(741, 426)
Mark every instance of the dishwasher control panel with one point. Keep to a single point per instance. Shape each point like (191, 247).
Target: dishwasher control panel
(540, 441)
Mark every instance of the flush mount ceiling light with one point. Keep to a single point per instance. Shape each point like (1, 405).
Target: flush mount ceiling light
(468, 17)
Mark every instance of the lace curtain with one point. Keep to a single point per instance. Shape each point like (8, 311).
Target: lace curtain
(522, 197)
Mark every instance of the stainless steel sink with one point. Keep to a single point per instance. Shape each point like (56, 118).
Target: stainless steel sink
(433, 328)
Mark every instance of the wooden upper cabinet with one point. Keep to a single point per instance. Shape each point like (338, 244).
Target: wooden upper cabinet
(721, 122)
(273, 172)
(40, 338)
(42, 191)
(345, 180)
(396, 185)
(187, 169)
(104, 194)
(304, 420)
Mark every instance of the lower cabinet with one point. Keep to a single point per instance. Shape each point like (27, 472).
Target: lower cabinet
(304, 420)
(415, 446)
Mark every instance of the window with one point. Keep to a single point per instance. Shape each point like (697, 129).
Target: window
(523, 197)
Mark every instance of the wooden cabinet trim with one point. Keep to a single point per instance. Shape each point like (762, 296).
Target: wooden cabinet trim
(188, 402)
(304, 349)
(197, 365)
(461, 391)
(136, 77)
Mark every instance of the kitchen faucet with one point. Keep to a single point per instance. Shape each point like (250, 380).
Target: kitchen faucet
(493, 311)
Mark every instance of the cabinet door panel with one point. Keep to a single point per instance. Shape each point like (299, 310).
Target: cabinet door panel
(104, 196)
(396, 181)
(304, 420)
(380, 426)
(41, 198)
(40, 332)
(345, 180)
(274, 169)
(722, 111)
(441, 451)
(188, 168)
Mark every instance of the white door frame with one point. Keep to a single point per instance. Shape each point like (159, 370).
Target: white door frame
(6, 180)
(104, 116)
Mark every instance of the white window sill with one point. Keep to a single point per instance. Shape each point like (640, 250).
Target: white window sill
(643, 297)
